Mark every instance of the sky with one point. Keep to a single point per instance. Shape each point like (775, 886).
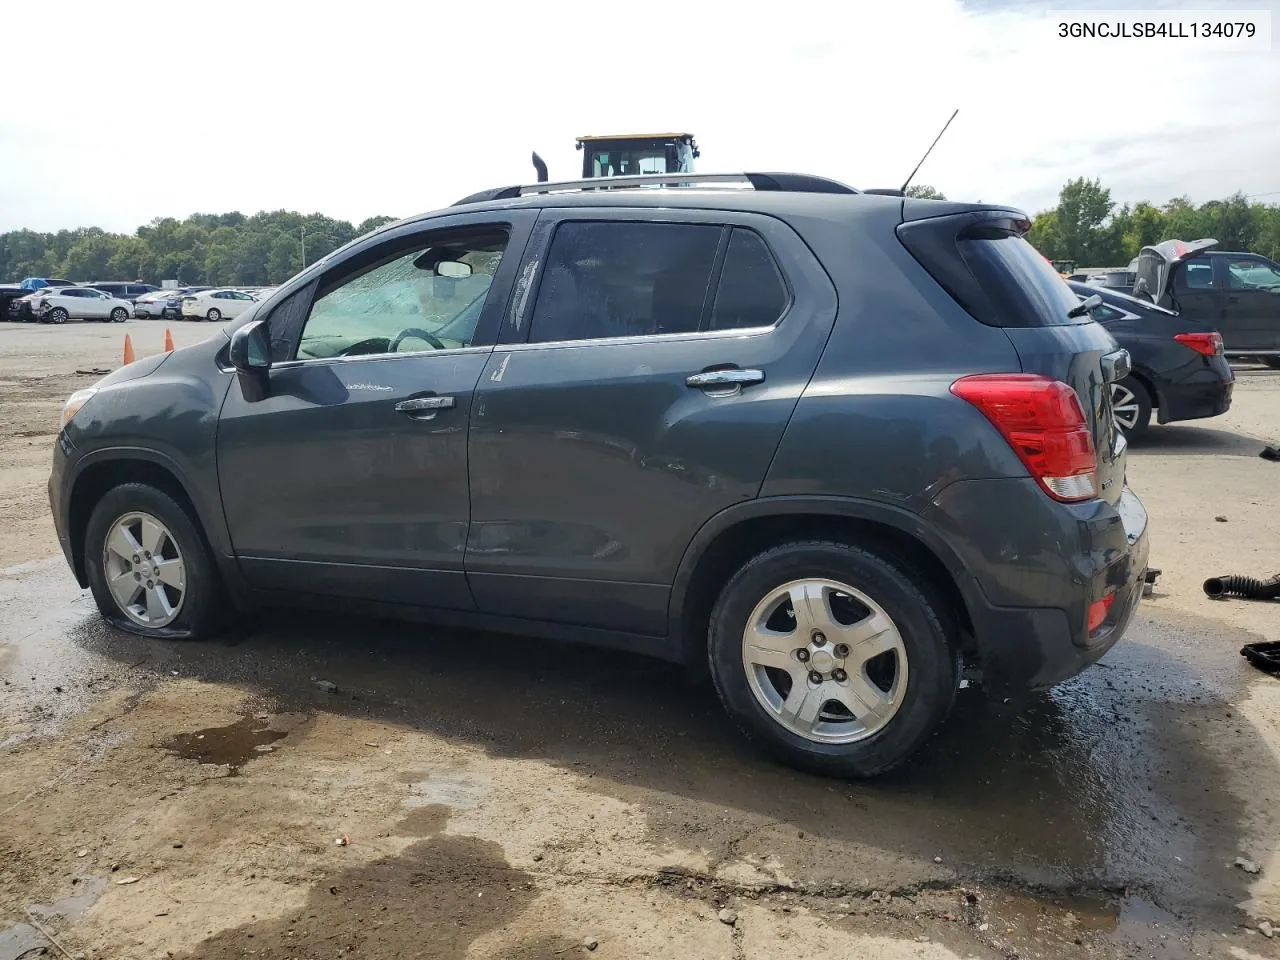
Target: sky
(168, 108)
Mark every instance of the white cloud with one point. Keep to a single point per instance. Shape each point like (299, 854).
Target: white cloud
(162, 108)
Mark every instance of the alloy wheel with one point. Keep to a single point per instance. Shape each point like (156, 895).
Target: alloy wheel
(1124, 406)
(144, 570)
(825, 660)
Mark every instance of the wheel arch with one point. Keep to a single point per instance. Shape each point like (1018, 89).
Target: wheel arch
(736, 534)
(1148, 380)
(107, 470)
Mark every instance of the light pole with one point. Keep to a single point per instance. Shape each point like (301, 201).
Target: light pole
(303, 228)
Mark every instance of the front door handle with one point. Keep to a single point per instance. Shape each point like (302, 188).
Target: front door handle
(424, 408)
(725, 382)
(1233, 299)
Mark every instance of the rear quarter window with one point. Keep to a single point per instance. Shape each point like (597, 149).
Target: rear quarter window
(1022, 289)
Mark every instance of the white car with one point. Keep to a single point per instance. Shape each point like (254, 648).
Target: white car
(60, 304)
(158, 305)
(215, 305)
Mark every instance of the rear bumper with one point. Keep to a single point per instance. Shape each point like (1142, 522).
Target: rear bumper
(1208, 395)
(1037, 566)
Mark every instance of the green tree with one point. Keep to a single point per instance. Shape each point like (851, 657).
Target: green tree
(88, 257)
(1083, 207)
(1044, 235)
(1182, 219)
(370, 224)
(924, 191)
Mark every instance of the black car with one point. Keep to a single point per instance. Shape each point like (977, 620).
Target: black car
(10, 293)
(835, 449)
(1179, 369)
(123, 291)
(1236, 293)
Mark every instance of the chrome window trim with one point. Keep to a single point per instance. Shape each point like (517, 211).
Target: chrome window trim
(650, 338)
(398, 355)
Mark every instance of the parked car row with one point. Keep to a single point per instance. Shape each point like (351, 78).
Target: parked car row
(57, 303)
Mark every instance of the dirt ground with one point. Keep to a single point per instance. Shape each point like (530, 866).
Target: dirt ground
(459, 795)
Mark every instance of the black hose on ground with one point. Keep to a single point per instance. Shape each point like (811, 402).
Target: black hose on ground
(1246, 588)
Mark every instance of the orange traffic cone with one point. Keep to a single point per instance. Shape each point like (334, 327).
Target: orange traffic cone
(128, 350)
(168, 340)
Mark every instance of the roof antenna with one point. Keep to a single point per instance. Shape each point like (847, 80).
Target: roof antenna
(540, 166)
(903, 188)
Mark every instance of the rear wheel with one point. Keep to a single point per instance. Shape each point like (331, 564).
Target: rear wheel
(1131, 405)
(119, 315)
(148, 566)
(833, 657)
(214, 315)
(58, 315)
(1272, 362)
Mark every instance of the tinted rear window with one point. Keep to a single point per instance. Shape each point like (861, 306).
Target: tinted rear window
(1022, 288)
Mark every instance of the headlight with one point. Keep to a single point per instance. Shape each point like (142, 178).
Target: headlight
(75, 402)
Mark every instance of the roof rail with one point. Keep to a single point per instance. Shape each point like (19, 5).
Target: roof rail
(784, 182)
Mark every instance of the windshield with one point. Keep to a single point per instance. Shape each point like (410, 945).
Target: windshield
(627, 163)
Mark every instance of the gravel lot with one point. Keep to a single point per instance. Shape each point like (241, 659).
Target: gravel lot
(184, 800)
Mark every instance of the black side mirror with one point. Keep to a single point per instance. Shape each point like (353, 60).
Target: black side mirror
(250, 355)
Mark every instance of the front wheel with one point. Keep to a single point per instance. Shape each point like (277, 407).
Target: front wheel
(833, 657)
(119, 315)
(1131, 407)
(149, 568)
(214, 315)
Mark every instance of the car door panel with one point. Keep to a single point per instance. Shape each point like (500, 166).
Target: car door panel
(594, 462)
(326, 484)
(330, 483)
(1252, 308)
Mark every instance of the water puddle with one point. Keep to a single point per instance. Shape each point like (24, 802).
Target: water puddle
(24, 940)
(231, 746)
(1079, 919)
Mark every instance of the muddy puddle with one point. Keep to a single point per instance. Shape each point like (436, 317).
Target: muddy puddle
(232, 745)
(1068, 920)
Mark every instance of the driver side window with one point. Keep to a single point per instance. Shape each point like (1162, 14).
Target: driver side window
(425, 297)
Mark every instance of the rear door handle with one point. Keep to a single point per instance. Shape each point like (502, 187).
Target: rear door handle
(424, 408)
(1233, 299)
(726, 382)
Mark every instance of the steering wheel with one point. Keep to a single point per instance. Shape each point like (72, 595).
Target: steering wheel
(417, 332)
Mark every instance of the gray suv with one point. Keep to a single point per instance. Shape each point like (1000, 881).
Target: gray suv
(836, 449)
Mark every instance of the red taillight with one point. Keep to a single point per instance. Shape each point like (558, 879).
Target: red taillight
(1210, 344)
(1098, 611)
(1044, 423)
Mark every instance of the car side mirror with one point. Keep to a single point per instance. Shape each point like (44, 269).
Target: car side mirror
(250, 355)
(453, 269)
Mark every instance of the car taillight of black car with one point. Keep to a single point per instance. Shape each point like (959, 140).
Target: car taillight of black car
(1209, 344)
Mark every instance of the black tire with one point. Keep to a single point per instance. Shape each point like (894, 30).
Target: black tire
(119, 315)
(1272, 362)
(1138, 404)
(203, 602)
(924, 621)
(57, 315)
(214, 315)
